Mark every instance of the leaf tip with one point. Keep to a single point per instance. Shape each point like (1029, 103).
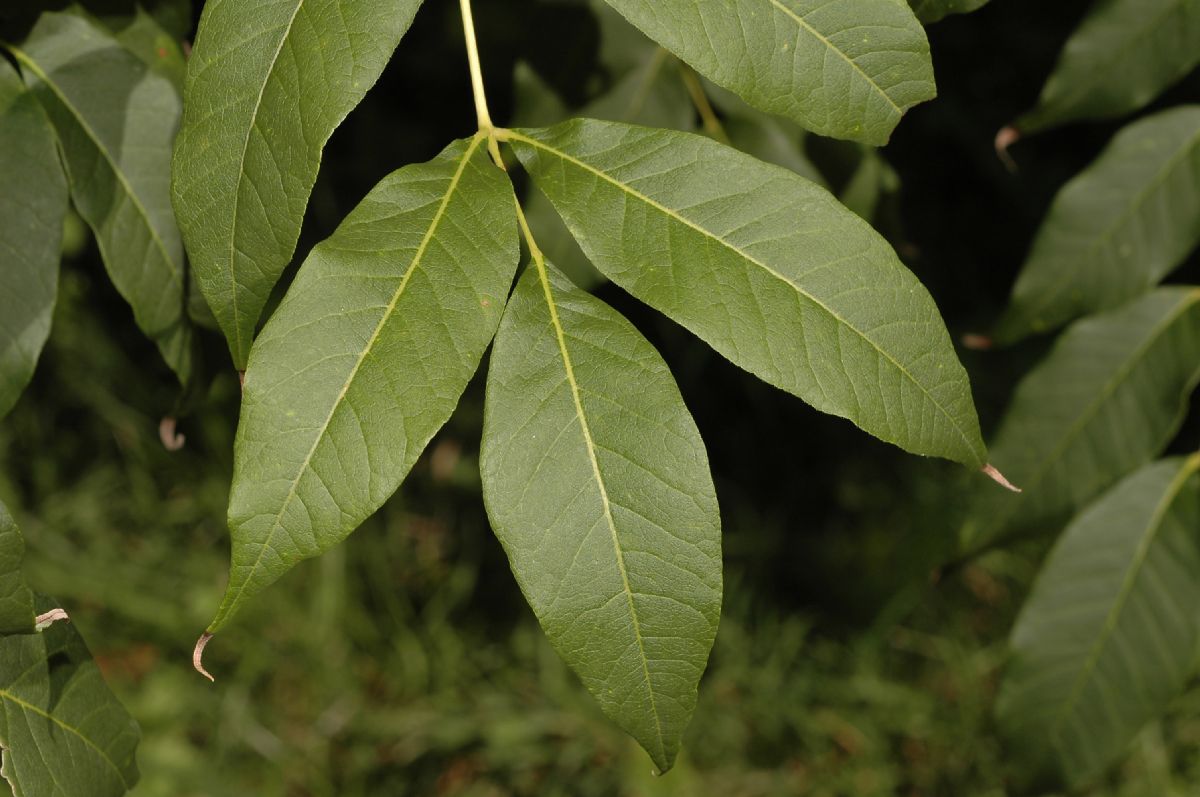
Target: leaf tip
(47, 619)
(198, 656)
(171, 439)
(1005, 138)
(990, 471)
(977, 342)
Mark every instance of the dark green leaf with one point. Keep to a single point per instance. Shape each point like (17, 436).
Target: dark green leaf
(365, 359)
(844, 68)
(1110, 632)
(597, 483)
(268, 82)
(33, 204)
(929, 11)
(16, 601)
(768, 268)
(115, 120)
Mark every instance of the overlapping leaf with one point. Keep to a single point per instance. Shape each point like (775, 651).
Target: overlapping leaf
(1116, 229)
(929, 11)
(1104, 402)
(267, 84)
(768, 268)
(115, 120)
(365, 359)
(62, 730)
(1121, 57)
(1109, 634)
(16, 601)
(597, 483)
(843, 68)
(33, 203)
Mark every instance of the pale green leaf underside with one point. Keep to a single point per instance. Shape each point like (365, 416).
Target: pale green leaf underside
(365, 359)
(1109, 634)
(1123, 55)
(63, 732)
(267, 84)
(767, 268)
(597, 483)
(1104, 402)
(33, 202)
(115, 120)
(16, 601)
(1116, 229)
(930, 11)
(842, 68)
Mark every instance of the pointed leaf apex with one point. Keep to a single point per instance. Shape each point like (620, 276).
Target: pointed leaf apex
(198, 656)
(990, 471)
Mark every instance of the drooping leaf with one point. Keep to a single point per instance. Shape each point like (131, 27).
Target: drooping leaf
(843, 68)
(1116, 229)
(597, 484)
(1121, 57)
(33, 204)
(1109, 634)
(1104, 402)
(63, 732)
(930, 11)
(767, 268)
(267, 84)
(365, 359)
(16, 601)
(115, 120)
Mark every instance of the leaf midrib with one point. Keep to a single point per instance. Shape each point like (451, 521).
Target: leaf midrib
(511, 134)
(228, 605)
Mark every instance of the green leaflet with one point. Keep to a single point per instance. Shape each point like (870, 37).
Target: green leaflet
(267, 84)
(16, 601)
(597, 483)
(115, 121)
(843, 68)
(1116, 229)
(62, 730)
(1104, 402)
(33, 203)
(365, 359)
(930, 11)
(767, 268)
(1121, 57)
(1109, 634)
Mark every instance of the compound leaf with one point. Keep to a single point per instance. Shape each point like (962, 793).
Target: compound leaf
(597, 484)
(768, 268)
(843, 68)
(267, 84)
(365, 359)
(1109, 634)
(116, 119)
(33, 204)
(1121, 57)
(16, 601)
(1115, 230)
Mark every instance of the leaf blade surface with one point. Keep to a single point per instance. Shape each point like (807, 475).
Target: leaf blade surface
(16, 600)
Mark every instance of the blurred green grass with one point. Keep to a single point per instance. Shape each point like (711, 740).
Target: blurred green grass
(404, 662)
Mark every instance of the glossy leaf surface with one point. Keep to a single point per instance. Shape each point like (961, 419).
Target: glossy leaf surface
(365, 359)
(768, 268)
(597, 483)
(1115, 230)
(33, 203)
(267, 84)
(842, 68)
(1109, 635)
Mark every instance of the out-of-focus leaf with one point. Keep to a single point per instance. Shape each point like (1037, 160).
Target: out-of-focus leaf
(268, 82)
(144, 36)
(873, 180)
(1121, 57)
(843, 68)
(33, 204)
(365, 359)
(768, 268)
(930, 11)
(1104, 402)
(62, 730)
(766, 137)
(16, 601)
(1109, 634)
(597, 483)
(116, 120)
(1116, 229)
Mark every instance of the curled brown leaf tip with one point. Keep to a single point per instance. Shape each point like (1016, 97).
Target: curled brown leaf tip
(198, 656)
(171, 439)
(990, 471)
(46, 619)
(977, 342)
(1005, 138)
